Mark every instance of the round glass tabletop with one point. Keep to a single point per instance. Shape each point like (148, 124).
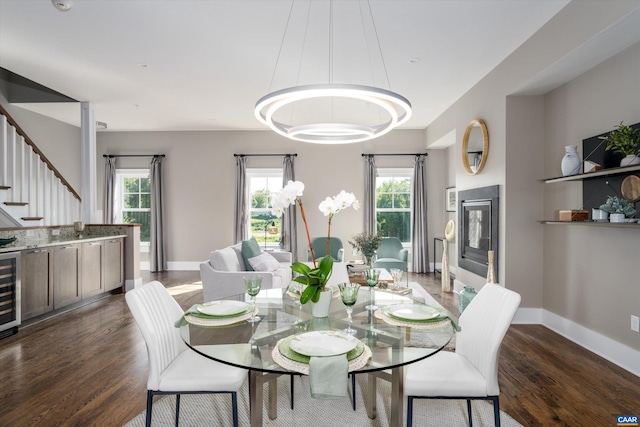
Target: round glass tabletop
(393, 341)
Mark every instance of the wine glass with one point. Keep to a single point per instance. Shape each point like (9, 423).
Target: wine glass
(253, 285)
(349, 295)
(371, 277)
(396, 273)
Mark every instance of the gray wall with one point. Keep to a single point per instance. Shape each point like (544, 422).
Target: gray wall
(578, 273)
(200, 170)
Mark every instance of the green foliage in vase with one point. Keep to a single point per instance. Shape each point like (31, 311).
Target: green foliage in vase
(365, 243)
(624, 140)
(315, 278)
(618, 205)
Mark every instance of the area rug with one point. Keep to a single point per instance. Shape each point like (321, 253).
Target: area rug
(215, 410)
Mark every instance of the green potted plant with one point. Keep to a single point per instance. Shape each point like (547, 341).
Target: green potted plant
(367, 244)
(315, 278)
(618, 208)
(624, 140)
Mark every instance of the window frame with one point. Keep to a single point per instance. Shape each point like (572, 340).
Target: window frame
(396, 173)
(118, 202)
(261, 173)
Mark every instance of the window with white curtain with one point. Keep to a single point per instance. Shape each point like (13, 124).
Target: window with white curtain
(264, 226)
(393, 203)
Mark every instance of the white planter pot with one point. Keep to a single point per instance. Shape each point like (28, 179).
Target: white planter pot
(630, 161)
(321, 308)
(616, 217)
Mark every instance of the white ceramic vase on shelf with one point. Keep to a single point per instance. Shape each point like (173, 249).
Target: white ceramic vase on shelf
(570, 161)
(631, 160)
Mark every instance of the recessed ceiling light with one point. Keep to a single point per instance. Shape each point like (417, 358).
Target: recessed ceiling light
(414, 60)
(142, 65)
(62, 5)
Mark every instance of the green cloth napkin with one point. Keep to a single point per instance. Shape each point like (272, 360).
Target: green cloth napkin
(454, 321)
(328, 376)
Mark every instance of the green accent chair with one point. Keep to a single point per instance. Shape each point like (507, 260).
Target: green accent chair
(391, 254)
(319, 244)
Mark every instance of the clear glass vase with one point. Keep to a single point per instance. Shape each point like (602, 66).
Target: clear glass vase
(465, 297)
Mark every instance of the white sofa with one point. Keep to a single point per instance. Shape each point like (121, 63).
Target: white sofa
(223, 274)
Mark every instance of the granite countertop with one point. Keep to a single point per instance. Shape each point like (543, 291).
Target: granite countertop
(54, 241)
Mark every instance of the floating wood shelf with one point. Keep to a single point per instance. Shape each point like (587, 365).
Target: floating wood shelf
(601, 172)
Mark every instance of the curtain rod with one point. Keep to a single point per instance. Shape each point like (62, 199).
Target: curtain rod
(133, 155)
(265, 155)
(396, 154)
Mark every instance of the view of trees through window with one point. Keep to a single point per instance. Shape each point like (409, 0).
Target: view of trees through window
(393, 205)
(264, 226)
(136, 203)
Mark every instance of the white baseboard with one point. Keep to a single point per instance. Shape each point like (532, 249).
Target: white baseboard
(175, 265)
(615, 352)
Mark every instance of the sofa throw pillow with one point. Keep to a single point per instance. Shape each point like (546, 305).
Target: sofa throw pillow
(250, 249)
(264, 262)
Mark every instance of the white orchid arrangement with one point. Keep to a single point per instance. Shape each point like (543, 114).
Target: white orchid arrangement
(317, 277)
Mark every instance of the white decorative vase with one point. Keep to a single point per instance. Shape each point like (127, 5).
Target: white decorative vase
(570, 161)
(321, 308)
(630, 161)
(616, 217)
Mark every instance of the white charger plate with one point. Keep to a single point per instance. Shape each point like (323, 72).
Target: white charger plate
(412, 312)
(322, 343)
(223, 308)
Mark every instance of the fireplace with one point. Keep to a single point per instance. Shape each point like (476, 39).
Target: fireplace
(478, 228)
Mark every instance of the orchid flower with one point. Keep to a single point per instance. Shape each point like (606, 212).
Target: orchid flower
(331, 206)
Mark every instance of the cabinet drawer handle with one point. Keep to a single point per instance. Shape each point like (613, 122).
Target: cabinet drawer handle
(37, 251)
(94, 243)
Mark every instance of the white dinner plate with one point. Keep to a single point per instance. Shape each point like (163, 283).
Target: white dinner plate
(322, 343)
(223, 308)
(412, 312)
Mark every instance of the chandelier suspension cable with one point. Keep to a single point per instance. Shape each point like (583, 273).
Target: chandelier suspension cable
(284, 35)
(375, 32)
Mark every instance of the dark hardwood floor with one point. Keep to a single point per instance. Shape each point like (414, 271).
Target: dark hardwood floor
(88, 367)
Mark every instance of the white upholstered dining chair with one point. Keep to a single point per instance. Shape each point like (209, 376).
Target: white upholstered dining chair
(471, 373)
(173, 367)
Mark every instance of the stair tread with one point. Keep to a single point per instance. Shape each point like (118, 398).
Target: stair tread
(16, 203)
(32, 218)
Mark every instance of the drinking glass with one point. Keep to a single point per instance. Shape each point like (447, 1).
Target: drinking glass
(349, 295)
(371, 277)
(253, 285)
(396, 273)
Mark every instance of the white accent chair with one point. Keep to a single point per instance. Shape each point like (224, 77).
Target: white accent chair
(471, 373)
(223, 274)
(173, 367)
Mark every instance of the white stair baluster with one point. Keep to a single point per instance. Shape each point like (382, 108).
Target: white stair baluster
(4, 164)
(30, 182)
(14, 164)
(45, 195)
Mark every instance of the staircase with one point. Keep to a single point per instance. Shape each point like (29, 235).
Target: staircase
(32, 191)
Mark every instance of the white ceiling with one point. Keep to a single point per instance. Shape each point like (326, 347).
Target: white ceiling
(202, 64)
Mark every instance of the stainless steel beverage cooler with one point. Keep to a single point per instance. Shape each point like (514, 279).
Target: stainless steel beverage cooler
(9, 293)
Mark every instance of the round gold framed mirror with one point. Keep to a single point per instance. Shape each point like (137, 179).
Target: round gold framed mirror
(475, 146)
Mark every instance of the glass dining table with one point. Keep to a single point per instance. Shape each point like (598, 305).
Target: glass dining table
(391, 341)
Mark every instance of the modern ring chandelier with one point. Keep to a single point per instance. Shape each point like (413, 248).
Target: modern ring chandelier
(378, 110)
